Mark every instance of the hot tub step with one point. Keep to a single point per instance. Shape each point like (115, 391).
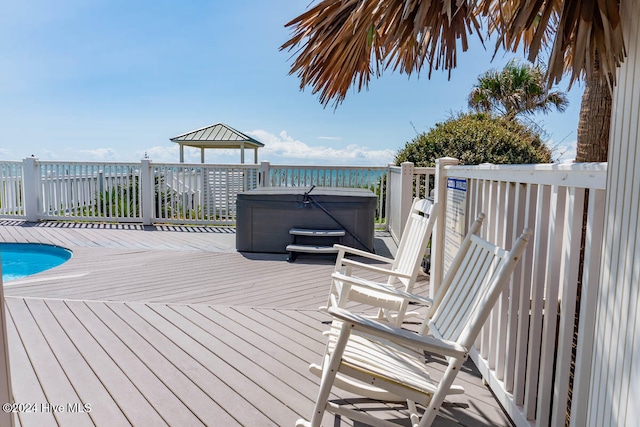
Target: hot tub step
(312, 249)
(313, 241)
(294, 249)
(316, 233)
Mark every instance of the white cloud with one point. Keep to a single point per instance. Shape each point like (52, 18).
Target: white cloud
(100, 154)
(331, 138)
(283, 148)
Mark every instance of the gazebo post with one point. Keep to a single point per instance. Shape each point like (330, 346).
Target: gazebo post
(181, 153)
(255, 156)
(242, 153)
(201, 154)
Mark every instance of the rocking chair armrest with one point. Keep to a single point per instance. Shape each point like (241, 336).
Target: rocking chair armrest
(382, 288)
(375, 268)
(399, 335)
(365, 254)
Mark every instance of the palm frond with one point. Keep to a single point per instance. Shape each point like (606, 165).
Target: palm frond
(339, 39)
(338, 44)
(584, 30)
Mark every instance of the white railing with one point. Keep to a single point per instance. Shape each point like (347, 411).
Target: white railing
(159, 193)
(325, 176)
(394, 201)
(528, 346)
(11, 195)
(404, 183)
(199, 194)
(423, 182)
(89, 191)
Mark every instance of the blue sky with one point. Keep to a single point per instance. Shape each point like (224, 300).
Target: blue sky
(111, 80)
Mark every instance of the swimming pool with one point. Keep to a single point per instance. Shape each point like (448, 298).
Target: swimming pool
(24, 259)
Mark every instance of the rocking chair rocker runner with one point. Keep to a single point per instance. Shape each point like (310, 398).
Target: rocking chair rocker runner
(401, 274)
(366, 356)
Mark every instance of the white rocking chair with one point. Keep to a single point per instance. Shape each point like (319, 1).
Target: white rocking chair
(401, 272)
(362, 351)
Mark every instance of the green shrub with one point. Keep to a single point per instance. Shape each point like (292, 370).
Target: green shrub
(476, 138)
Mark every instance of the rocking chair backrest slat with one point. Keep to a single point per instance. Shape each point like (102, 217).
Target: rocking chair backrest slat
(464, 292)
(495, 287)
(460, 293)
(469, 292)
(457, 261)
(415, 238)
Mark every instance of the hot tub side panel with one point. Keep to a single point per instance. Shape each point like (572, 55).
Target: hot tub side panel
(264, 221)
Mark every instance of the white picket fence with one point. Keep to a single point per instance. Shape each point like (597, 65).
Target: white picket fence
(88, 191)
(533, 352)
(154, 193)
(11, 190)
(404, 183)
(198, 194)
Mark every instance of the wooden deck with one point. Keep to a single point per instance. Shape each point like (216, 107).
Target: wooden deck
(171, 326)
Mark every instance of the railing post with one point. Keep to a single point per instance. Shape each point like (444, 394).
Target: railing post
(147, 190)
(437, 239)
(31, 188)
(406, 192)
(386, 187)
(264, 174)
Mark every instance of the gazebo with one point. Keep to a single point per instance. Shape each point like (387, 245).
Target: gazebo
(218, 135)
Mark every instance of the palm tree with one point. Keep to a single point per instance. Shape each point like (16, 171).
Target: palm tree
(516, 89)
(595, 118)
(595, 109)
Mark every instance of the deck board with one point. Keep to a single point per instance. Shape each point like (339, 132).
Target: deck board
(251, 363)
(160, 276)
(52, 377)
(198, 403)
(26, 387)
(226, 405)
(86, 384)
(190, 342)
(77, 320)
(171, 326)
(161, 400)
(211, 373)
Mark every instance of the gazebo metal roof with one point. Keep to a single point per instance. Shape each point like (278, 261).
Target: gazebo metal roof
(218, 135)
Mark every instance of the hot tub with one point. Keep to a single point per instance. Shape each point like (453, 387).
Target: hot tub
(265, 216)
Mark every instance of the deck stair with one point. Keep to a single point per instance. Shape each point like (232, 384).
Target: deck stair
(313, 241)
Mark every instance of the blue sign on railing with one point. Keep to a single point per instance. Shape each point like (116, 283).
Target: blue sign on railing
(457, 184)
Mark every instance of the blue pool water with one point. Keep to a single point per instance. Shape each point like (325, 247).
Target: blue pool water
(23, 259)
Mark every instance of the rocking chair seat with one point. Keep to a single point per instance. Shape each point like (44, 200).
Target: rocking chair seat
(368, 358)
(401, 272)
